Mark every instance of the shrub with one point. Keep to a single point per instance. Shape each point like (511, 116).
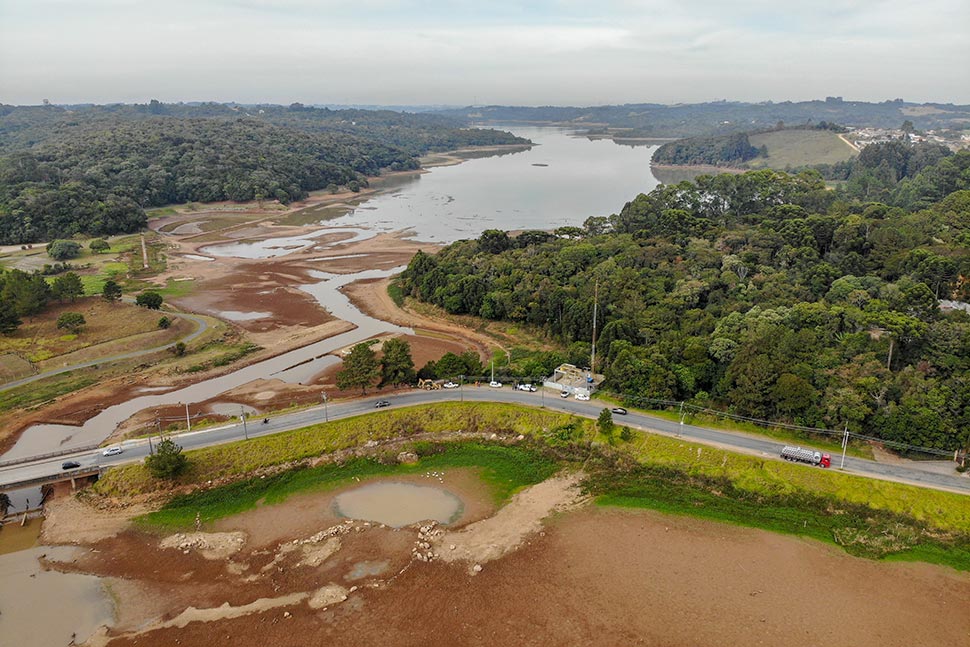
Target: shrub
(167, 461)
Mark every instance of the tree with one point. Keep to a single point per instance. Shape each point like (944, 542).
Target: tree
(72, 321)
(168, 461)
(605, 424)
(149, 299)
(164, 323)
(111, 291)
(360, 369)
(397, 366)
(178, 349)
(9, 321)
(99, 245)
(5, 504)
(61, 250)
(67, 286)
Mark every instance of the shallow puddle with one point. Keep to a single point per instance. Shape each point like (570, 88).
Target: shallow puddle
(398, 504)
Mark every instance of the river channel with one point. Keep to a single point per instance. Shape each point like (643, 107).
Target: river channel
(562, 180)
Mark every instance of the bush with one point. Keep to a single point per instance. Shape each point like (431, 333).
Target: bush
(72, 321)
(99, 245)
(179, 349)
(167, 461)
(61, 250)
(164, 323)
(149, 299)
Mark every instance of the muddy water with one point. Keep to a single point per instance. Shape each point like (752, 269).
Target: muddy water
(46, 607)
(273, 247)
(398, 504)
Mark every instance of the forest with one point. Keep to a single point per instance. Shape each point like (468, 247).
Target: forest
(763, 294)
(722, 150)
(720, 117)
(94, 170)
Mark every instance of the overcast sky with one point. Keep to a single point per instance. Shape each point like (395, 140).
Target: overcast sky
(482, 51)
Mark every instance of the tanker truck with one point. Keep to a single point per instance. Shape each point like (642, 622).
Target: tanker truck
(809, 456)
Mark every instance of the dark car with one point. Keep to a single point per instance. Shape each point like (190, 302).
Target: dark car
(619, 410)
(381, 403)
(70, 465)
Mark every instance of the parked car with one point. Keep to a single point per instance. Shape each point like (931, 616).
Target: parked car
(112, 451)
(564, 394)
(582, 396)
(526, 387)
(495, 385)
(380, 404)
(450, 385)
(618, 410)
(70, 465)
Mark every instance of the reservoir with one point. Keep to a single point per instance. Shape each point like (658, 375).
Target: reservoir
(562, 180)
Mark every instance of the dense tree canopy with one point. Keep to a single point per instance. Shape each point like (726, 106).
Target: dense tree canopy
(93, 170)
(762, 293)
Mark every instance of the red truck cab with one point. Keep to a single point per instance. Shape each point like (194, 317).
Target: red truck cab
(826, 461)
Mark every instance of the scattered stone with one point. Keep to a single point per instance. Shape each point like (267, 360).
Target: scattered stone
(408, 458)
(477, 568)
(327, 596)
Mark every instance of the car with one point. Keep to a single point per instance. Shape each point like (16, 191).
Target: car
(564, 394)
(495, 385)
(380, 404)
(450, 385)
(582, 396)
(112, 451)
(526, 387)
(70, 465)
(618, 410)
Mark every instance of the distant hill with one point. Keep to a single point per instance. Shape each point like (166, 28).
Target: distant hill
(687, 120)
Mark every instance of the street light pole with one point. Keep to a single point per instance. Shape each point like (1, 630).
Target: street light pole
(461, 387)
(242, 416)
(845, 444)
(326, 412)
(188, 422)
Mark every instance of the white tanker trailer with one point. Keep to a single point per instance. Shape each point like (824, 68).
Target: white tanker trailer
(809, 456)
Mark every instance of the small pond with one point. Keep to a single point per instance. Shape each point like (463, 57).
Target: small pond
(398, 504)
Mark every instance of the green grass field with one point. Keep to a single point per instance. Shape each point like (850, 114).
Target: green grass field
(503, 469)
(794, 148)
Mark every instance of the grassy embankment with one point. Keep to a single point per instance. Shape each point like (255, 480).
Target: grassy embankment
(866, 517)
(796, 148)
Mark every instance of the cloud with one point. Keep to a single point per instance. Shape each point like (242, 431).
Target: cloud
(552, 51)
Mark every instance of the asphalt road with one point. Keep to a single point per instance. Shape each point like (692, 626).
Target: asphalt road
(201, 327)
(136, 450)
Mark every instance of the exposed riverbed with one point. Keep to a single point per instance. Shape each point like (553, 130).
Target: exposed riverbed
(563, 180)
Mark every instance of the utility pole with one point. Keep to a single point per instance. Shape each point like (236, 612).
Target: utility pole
(188, 422)
(326, 412)
(242, 416)
(461, 387)
(845, 444)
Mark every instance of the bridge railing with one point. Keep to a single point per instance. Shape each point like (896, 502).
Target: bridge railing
(38, 457)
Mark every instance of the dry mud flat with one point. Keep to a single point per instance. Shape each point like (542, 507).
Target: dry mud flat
(293, 574)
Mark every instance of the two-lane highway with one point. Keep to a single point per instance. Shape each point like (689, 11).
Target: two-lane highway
(136, 450)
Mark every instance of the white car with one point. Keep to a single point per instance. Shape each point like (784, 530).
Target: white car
(450, 385)
(495, 385)
(526, 387)
(112, 451)
(582, 396)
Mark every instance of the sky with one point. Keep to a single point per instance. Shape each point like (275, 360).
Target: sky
(464, 52)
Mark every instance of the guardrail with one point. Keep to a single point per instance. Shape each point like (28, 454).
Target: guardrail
(54, 478)
(38, 457)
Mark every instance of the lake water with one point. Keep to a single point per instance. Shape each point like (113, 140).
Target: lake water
(578, 178)
(398, 504)
(575, 178)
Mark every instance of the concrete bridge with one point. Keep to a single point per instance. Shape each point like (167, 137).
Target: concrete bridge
(66, 475)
